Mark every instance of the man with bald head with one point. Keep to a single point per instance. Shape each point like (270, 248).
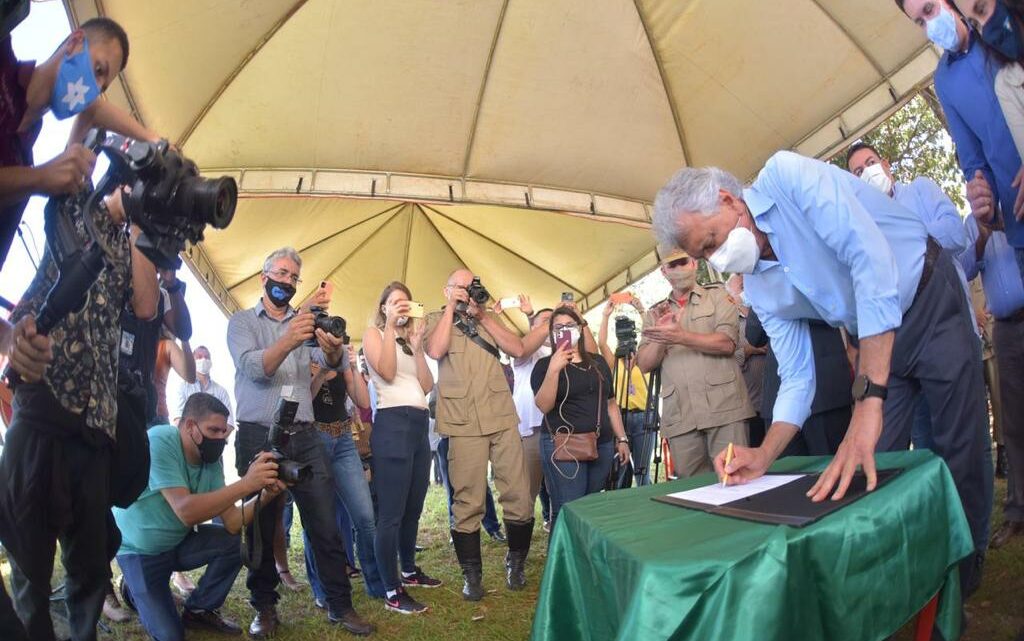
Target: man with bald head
(816, 243)
(476, 412)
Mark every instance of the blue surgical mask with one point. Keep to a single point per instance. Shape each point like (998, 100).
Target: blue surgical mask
(75, 88)
(1002, 33)
(942, 29)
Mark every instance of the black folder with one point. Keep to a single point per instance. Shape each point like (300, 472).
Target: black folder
(786, 504)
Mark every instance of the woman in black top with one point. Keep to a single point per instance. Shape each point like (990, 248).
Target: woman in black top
(574, 390)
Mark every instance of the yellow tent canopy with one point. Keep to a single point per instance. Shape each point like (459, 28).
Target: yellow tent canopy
(525, 139)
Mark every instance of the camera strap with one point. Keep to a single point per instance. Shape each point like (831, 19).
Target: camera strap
(256, 541)
(474, 336)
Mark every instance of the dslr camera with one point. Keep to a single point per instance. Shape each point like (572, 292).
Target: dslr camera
(289, 471)
(625, 334)
(333, 325)
(477, 293)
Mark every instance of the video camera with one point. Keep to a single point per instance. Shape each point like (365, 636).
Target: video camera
(288, 471)
(625, 334)
(168, 201)
(477, 293)
(333, 325)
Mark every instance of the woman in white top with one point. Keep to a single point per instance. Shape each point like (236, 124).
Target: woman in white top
(399, 442)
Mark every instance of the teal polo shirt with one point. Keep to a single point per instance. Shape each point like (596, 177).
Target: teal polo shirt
(149, 525)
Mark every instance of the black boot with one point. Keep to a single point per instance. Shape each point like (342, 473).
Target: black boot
(519, 537)
(467, 550)
(1001, 461)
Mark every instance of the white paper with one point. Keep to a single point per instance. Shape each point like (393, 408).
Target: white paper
(717, 495)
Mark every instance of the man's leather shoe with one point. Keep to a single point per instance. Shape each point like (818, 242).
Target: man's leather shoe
(1006, 531)
(209, 620)
(351, 621)
(265, 623)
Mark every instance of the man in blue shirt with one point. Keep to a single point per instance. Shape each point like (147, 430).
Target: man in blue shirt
(938, 213)
(163, 531)
(270, 345)
(990, 255)
(817, 243)
(965, 85)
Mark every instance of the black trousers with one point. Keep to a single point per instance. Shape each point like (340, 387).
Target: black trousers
(55, 475)
(936, 353)
(822, 433)
(315, 500)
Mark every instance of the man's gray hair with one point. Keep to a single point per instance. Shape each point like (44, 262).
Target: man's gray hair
(284, 252)
(693, 189)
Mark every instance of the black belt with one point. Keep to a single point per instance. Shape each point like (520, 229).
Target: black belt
(931, 254)
(1016, 317)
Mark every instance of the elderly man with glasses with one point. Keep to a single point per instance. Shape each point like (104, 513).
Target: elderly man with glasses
(270, 346)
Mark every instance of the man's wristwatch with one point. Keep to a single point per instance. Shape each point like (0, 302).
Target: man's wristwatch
(863, 388)
(622, 439)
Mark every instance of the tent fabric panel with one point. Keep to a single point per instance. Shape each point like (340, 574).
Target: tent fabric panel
(573, 87)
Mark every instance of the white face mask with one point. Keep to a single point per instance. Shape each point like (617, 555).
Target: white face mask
(738, 254)
(575, 334)
(203, 366)
(875, 176)
(942, 29)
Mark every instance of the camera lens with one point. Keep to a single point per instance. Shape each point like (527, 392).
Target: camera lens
(212, 200)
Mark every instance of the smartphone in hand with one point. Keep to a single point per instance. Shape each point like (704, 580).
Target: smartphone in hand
(563, 339)
(415, 309)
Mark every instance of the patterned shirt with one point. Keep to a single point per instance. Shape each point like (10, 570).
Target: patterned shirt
(83, 374)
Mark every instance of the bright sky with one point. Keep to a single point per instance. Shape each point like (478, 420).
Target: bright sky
(35, 39)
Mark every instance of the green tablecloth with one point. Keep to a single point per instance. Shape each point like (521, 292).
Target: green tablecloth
(621, 566)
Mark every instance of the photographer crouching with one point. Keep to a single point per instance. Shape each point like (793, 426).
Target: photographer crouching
(270, 344)
(56, 462)
(163, 531)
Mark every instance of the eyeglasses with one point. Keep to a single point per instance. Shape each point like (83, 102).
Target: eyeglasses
(679, 262)
(404, 344)
(278, 274)
(560, 327)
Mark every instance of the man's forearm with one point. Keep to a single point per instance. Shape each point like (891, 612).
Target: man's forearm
(145, 290)
(199, 508)
(17, 184)
(876, 356)
(778, 437)
(715, 344)
(509, 342)
(440, 339)
(274, 355)
(237, 517)
(106, 115)
(649, 356)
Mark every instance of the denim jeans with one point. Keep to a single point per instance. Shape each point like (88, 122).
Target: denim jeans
(315, 498)
(569, 480)
(401, 467)
(148, 578)
(634, 424)
(490, 520)
(353, 491)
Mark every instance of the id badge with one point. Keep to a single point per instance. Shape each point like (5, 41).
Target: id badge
(127, 343)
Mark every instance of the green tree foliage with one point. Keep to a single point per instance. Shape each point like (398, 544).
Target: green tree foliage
(915, 142)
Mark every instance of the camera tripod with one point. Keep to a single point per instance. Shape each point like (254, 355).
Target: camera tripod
(651, 422)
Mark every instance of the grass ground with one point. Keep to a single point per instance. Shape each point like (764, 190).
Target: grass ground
(995, 611)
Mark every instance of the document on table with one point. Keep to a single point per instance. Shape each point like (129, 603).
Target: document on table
(717, 495)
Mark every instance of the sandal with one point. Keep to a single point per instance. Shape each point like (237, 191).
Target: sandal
(289, 581)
